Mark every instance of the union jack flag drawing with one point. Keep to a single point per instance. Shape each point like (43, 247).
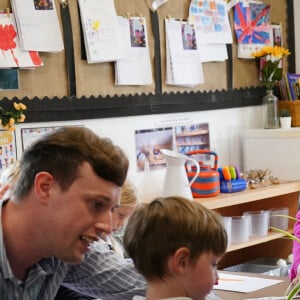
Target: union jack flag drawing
(251, 23)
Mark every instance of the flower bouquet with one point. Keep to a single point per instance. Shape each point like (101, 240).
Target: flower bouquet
(8, 118)
(271, 64)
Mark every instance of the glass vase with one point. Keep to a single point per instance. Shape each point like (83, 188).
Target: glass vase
(270, 110)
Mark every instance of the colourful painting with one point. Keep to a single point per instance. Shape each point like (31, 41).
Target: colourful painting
(251, 23)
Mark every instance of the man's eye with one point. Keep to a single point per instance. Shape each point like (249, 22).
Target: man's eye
(97, 206)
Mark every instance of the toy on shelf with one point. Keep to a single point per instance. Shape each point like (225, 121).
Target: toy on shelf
(231, 180)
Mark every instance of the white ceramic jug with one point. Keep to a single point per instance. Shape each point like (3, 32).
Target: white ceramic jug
(176, 182)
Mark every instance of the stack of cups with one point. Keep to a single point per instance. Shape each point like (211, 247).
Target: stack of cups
(259, 222)
(227, 222)
(240, 229)
(278, 219)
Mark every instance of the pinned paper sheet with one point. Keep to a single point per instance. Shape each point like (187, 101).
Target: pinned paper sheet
(135, 67)
(211, 21)
(101, 33)
(243, 284)
(252, 28)
(183, 62)
(11, 56)
(38, 25)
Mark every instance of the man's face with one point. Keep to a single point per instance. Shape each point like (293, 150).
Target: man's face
(80, 214)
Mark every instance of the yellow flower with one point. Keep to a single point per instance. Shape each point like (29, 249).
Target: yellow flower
(275, 51)
(11, 121)
(16, 106)
(22, 118)
(22, 106)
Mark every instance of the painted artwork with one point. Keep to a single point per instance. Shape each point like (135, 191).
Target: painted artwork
(11, 55)
(251, 23)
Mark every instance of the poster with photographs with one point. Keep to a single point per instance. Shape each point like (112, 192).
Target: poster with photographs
(8, 151)
(29, 135)
(148, 145)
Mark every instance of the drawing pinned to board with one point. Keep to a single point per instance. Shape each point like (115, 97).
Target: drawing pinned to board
(11, 54)
(148, 145)
(252, 28)
(8, 151)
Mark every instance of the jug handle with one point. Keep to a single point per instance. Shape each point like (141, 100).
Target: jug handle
(197, 169)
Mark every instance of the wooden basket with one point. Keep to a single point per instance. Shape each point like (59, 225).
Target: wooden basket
(294, 107)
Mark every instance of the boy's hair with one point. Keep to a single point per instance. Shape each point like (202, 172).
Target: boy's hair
(63, 151)
(157, 229)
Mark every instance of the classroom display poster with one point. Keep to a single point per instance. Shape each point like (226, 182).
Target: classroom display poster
(8, 151)
(29, 135)
(148, 145)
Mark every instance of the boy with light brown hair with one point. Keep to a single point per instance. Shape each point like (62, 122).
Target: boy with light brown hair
(176, 245)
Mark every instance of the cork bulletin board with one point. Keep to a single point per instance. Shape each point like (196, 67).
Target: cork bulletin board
(230, 83)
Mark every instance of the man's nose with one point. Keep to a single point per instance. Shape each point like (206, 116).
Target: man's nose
(104, 224)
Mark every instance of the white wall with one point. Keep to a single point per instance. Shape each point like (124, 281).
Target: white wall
(225, 128)
(297, 33)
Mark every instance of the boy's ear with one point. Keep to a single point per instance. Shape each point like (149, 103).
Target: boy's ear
(181, 259)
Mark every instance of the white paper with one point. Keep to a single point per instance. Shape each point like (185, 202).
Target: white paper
(100, 30)
(213, 52)
(11, 56)
(135, 68)
(211, 21)
(183, 60)
(244, 284)
(38, 26)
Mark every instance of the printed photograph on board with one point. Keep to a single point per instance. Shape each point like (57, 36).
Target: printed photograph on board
(148, 144)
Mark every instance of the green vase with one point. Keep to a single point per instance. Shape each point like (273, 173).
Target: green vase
(270, 110)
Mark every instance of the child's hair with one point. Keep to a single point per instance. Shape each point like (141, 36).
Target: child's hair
(129, 194)
(157, 229)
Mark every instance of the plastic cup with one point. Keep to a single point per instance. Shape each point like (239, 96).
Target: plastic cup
(240, 229)
(277, 218)
(259, 222)
(227, 222)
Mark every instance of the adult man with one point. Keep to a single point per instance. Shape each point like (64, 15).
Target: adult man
(70, 181)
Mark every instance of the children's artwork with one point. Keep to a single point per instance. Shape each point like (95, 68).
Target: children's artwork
(136, 53)
(9, 79)
(101, 33)
(148, 144)
(8, 151)
(252, 28)
(211, 21)
(11, 55)
(38, 25)
(183, 61)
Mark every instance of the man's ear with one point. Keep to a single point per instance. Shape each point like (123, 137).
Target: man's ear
(43, 183)
(181, 260)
